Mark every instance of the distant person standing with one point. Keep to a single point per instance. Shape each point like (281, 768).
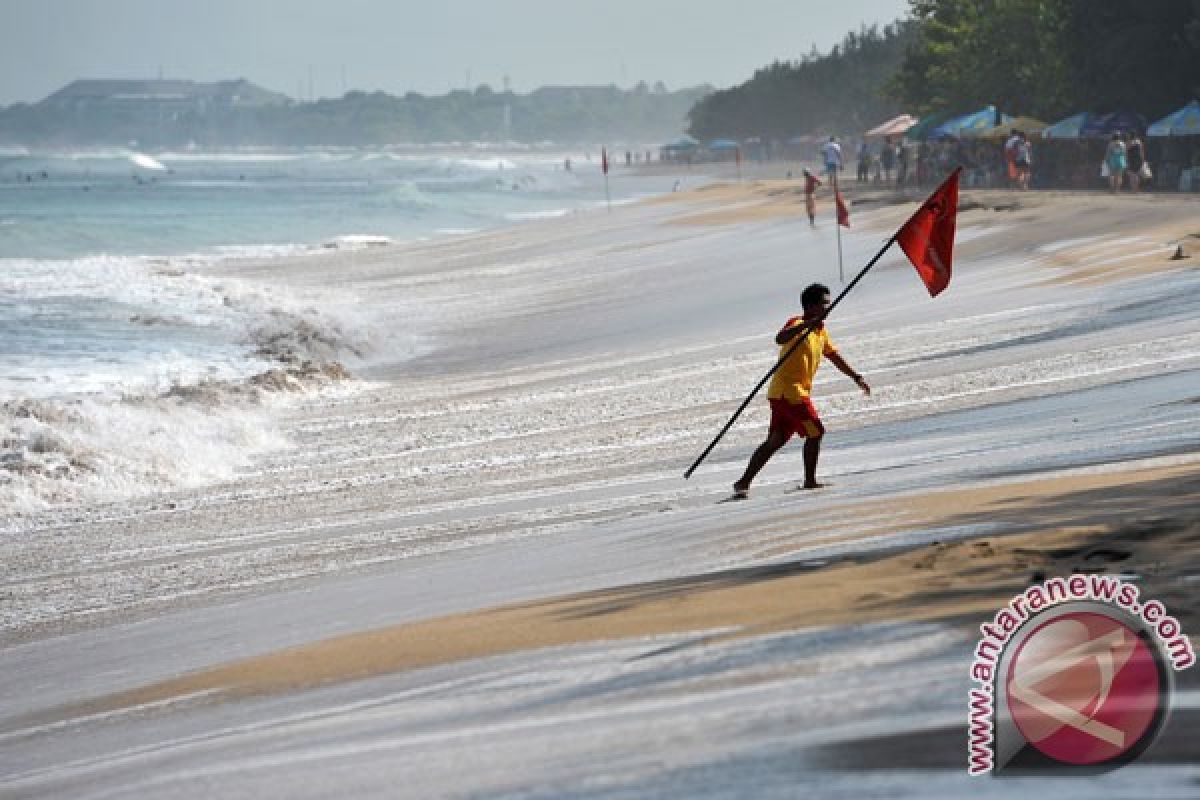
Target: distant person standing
(811, 182)
(1024, 161)
(864, 162)
(1114, 162)
(924, 163)
(887, 159)
(1135, 158)
(1011, 144)
(831, 152)
(902, 158)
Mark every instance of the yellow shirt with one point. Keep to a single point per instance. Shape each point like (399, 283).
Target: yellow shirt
(794, 379)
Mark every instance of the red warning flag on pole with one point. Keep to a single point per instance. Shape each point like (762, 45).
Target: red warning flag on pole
(928, 241)
(928, 236)
(843, 213)
(604, 160)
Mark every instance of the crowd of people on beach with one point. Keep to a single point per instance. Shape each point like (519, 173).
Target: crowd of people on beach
(1007, 163)
(1019, 159)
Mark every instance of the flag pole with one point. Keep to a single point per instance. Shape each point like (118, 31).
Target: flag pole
(837, 223)
(784, 358)
(892, 240)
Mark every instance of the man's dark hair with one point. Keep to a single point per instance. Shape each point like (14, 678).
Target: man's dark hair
(813, 294)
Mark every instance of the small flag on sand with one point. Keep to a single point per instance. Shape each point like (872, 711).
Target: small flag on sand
(843, 213)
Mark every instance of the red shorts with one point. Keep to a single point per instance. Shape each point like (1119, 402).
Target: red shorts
(798, 419)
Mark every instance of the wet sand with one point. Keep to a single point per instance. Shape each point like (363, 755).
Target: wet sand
(1134, 523)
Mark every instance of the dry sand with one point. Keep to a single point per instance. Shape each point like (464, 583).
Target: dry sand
(1145, 246)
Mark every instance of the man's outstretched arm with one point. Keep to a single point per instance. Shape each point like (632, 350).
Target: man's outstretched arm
(849, 372)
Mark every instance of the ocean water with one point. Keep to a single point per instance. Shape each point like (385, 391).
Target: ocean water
(124, 364)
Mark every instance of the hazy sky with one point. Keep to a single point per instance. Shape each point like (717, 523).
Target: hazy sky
(402, 45)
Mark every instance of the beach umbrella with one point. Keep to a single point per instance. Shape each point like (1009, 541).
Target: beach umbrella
(682, 143)
(1184, 122)
(925, 125)
(1115, 122)
(1066, 128)
(964, 125)
(1027, 124)
(1090, 124)
(723, 144)
(896, 126)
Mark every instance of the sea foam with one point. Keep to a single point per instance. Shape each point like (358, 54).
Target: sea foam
(127, 374)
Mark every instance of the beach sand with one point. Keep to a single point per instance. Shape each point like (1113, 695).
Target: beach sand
(498, 502)
(1093, 523)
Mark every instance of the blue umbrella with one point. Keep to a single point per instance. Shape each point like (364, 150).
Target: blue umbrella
(684, 143)
(926, 125)
(723, 144)
(1089, 124)
(1116, 122)
(1066, 128)
(1184, 122)
(975, 121)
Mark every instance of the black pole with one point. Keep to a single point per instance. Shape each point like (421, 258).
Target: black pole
(784, 358)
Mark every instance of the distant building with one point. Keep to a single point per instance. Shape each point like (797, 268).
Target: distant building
(162, 97)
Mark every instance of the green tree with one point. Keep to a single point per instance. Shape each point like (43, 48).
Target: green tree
(1142, 56)
(1050, 58)
(840, 91)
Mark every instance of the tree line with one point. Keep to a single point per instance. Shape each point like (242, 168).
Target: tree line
(560, 114)
(839, 91)
(1041, 58)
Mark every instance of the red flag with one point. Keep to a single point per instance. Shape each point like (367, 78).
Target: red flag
(604, 160)
(843, 213)
(928, 236)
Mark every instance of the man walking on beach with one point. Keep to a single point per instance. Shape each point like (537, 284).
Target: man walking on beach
(792, 410)
(831, 152)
